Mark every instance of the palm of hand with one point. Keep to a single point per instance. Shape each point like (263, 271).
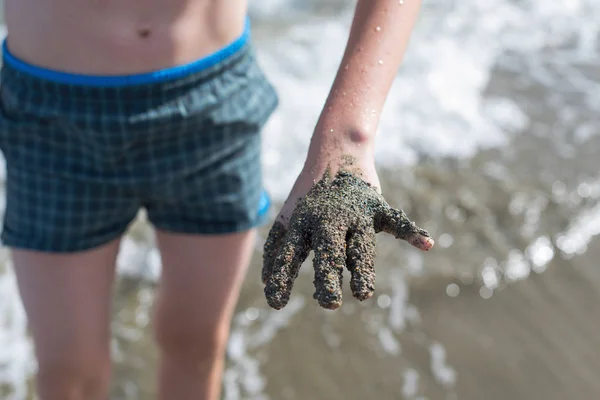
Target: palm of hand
(338, 220)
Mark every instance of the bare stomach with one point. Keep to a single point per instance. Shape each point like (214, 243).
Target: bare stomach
(118, 37)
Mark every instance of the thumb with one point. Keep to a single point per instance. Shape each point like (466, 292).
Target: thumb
(397, 223)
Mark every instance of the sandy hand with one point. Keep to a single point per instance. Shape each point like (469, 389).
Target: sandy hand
(338, 220)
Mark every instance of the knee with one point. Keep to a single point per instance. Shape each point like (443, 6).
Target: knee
(196, 342)
(72, 376)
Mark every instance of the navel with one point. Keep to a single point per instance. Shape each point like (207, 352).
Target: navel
(144, 32)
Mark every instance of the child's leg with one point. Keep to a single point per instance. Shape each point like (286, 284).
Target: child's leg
(67, 300)
(199, 288)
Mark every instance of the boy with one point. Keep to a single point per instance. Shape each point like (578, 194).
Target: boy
(110, 106)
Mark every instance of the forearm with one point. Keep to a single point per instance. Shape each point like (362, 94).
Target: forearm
(378, 39)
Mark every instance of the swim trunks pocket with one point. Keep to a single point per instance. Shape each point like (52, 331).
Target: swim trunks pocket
(25, 127)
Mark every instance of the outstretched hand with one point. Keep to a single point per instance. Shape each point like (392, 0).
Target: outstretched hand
(337, 219)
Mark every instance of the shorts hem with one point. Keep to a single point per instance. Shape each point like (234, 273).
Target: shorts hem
(214, 230)
(42, 246)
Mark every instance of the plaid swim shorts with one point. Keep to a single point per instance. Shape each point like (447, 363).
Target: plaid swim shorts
(85, 153)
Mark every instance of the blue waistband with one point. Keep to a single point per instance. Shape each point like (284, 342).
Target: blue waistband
(136, 79)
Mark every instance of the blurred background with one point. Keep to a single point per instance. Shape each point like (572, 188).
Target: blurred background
(490, 139)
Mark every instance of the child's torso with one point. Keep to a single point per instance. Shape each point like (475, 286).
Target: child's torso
(117, 37)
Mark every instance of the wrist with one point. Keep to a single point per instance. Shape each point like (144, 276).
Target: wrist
(347, 128)
(351, 123)
(332, 148)
(346, 136)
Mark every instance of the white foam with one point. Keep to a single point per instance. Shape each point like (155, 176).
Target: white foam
(388, 341)
(442, 372)
(517, 267)
(248, 335)
(399, 302)
(16, 350)
(581, 232)
(411, 383)
(540, 252)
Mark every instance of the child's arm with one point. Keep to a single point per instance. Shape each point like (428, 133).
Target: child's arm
(378, 40)
(349, 120)
(339, 216)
